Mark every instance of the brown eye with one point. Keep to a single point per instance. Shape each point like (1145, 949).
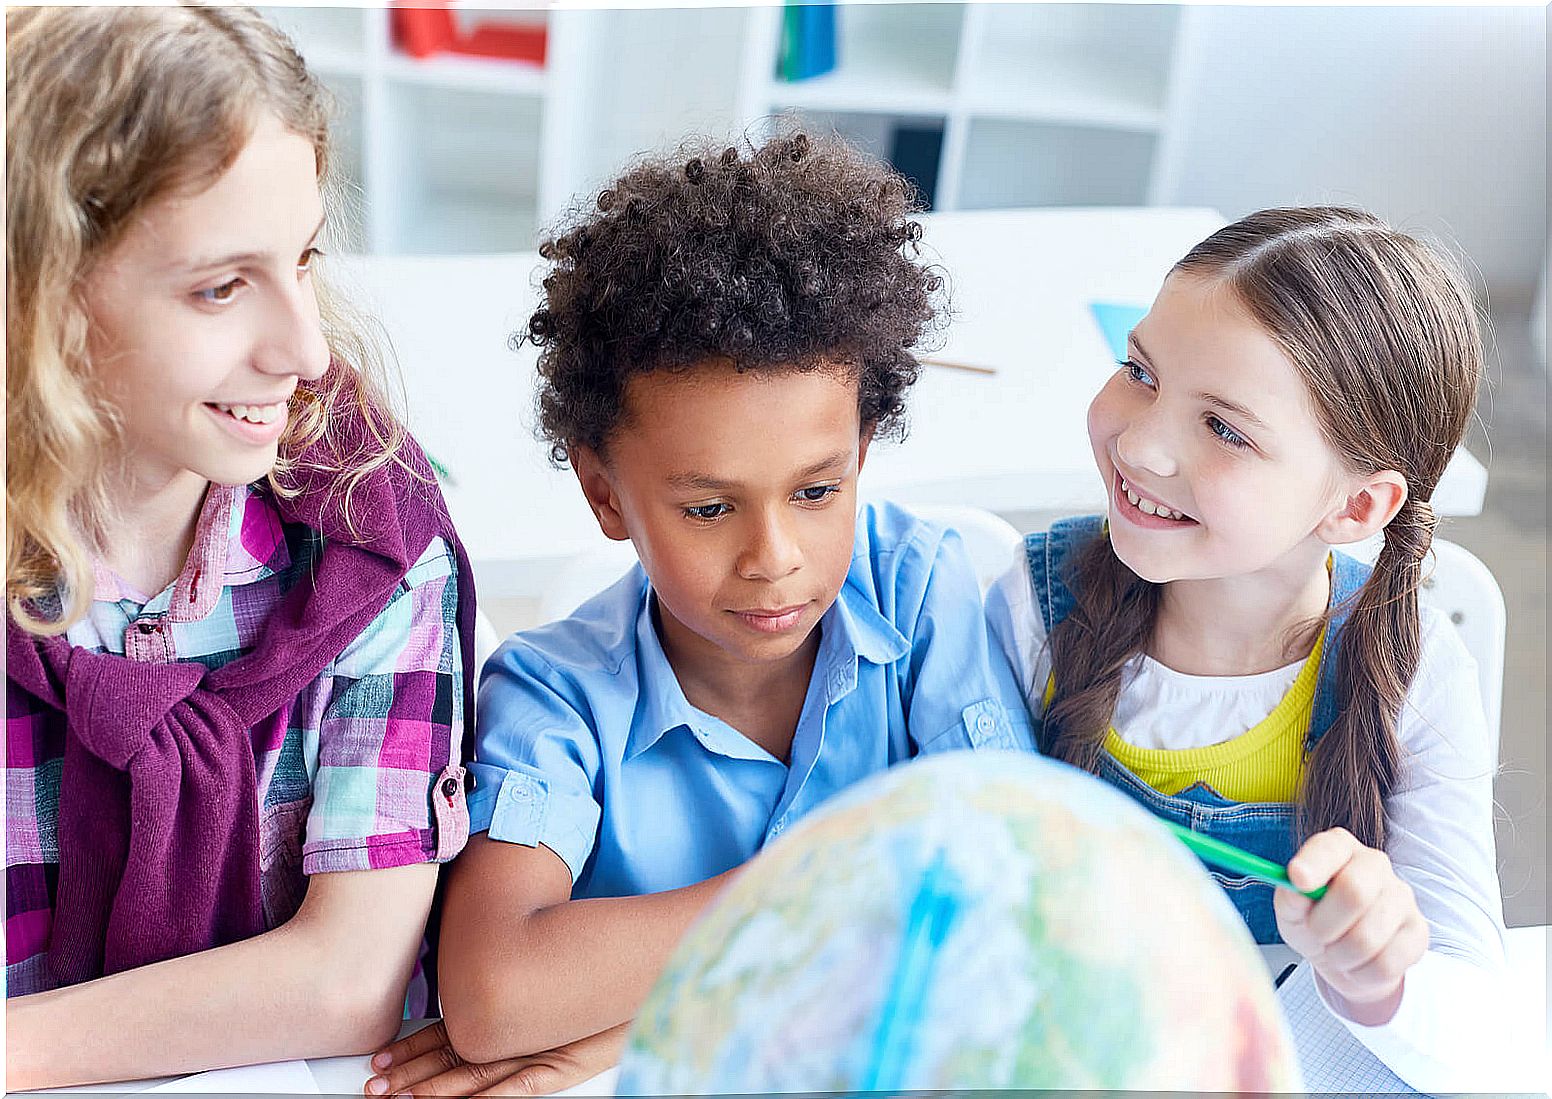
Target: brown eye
(220, 295)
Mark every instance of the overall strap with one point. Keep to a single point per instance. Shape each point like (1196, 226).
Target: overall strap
(1348, 576)
(1048, 554)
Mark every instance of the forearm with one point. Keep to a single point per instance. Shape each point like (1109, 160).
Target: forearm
(562, 972)
(320, 985)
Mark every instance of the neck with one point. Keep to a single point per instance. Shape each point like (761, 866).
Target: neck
(761, 700)
(1244, 625)
(149, 537)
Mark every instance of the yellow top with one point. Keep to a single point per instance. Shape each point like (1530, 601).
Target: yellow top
(1264, 763)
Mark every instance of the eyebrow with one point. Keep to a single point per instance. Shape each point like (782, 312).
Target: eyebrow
(709, 483)
(237, 259)
(1232, 407)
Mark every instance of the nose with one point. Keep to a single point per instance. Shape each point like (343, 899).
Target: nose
(772, 550)
(293, 341)
(1144, 444)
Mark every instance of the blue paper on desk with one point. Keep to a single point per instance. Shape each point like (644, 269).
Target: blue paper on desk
(1116, 322)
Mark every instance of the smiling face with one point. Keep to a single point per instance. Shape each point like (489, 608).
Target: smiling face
(740, 494)
(1209, 442)
(203, 318)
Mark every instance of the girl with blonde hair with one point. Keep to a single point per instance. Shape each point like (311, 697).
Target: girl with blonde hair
(1300, 383)
(239, 621)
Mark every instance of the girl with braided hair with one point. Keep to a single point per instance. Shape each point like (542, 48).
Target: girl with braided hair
(1300, 383)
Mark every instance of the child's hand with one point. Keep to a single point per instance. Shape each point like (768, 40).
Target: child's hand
(424, 1064)
(1364, 934)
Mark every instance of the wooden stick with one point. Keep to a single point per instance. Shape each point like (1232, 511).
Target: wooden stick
(950, 364)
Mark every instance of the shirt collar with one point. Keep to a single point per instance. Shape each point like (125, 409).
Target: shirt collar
(236, 538)
(852, 629)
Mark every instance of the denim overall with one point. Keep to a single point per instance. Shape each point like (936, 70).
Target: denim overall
(1263, 828)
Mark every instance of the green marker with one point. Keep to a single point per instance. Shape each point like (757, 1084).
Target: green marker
(1229, 857)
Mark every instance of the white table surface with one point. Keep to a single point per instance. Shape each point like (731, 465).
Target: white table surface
(1527, 959)
(1020, 281)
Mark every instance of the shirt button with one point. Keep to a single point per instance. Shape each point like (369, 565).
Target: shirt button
(150, 627)
(449, 787)
(776, 829)
(985, 723)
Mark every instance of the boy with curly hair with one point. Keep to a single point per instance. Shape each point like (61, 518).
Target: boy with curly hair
(721, 339)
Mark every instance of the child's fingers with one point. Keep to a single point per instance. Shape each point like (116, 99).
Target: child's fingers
(410, 1046)
(1371, 934)
(472, 1078)
(1292, 910)
(1387, 968)
(1350, 895)
(429, 1067)
(1321, 858)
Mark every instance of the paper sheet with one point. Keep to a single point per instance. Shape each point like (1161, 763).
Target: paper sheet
(275, 1078)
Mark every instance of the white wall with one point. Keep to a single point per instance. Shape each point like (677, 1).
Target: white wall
(1435, 118)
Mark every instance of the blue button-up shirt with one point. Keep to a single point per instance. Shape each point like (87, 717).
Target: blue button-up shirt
(586, 743)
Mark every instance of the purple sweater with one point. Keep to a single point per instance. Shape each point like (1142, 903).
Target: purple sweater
(158, 808)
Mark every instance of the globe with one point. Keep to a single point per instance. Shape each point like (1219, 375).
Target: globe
(971, 920)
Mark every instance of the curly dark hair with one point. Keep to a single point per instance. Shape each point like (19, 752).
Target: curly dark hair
(799, 255)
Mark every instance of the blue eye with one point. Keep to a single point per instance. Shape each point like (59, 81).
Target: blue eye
(1137, 372)
(707, 513)
(817, 493)
(1226, 433)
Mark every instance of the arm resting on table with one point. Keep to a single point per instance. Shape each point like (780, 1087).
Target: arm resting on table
(329, 981)
(525, 969)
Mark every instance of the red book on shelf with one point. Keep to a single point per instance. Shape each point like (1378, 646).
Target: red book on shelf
(430, 28)
(513, 41)
(422, 31)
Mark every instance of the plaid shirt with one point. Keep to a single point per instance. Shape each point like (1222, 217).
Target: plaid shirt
(352, 777)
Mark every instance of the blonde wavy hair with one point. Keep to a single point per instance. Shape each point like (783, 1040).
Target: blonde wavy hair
(107, 111)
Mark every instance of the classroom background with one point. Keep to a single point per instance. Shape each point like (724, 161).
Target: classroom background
(467, 128)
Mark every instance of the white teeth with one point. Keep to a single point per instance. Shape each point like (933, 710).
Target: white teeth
(1149, 507)
(254, 413)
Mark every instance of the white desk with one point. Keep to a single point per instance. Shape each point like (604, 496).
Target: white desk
(1020, 285)
(1526, 949)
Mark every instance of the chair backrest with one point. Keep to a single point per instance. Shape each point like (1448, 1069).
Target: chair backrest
(486, 639)
(989, 539)
(1457, 582)
(582, 577)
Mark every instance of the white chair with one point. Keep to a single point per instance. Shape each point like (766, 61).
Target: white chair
(582, 577)
(989, 539)
(486, 639)
(1457, 582)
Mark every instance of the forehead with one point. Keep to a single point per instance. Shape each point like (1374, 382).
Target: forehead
(715, 421)
(1201, 336)
(259, 204)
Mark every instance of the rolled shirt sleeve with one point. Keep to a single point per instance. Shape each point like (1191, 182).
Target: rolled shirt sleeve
(535, 778)
(387, 787)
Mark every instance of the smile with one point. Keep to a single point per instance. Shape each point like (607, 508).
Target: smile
(252, 413)
(1144, 506)
(252, 424)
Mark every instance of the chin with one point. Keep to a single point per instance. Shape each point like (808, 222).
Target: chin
(1155, 572)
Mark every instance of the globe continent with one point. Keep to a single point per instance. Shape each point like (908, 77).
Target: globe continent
(965, 921)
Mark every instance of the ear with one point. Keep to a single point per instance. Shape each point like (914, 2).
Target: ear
(597, 485)
(1370, 504)
(863, 442)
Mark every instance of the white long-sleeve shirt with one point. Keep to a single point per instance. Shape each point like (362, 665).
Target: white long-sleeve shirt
(1449, 1033)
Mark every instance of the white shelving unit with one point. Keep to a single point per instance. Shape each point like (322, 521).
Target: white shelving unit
(1040, 104)
(446, 153)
